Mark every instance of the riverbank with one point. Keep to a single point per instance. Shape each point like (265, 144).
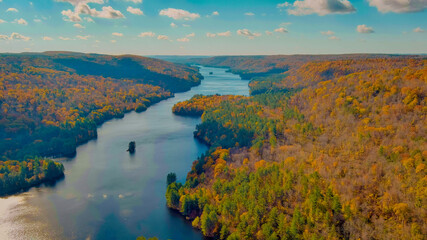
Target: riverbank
(111, 194)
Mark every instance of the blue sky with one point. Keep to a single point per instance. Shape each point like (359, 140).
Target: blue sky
(214, 27)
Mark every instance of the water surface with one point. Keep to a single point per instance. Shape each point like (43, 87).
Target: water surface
(108, 193)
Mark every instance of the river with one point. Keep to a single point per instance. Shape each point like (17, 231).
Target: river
(108, 193)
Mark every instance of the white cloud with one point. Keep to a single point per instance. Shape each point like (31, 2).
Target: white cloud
(269, 33)
(333, 38)
(134, 1)
(399, 6)
(284, 24)
(147, 34)
(162, 37)
(21, 21)
(37, 20)
(282, 5)
(248, 34)
(215, 13)
(15, 36)
(2, 21)
(113, 41)
(12, 10)
(173, 25)
(419, 30)
(83, 37)
(221, 34)
(89, 20)
(281, 30)
(224, 34)
(321, 7)
(47, 38)
(210, 35)
(82, 7)
(364, 29)
(78, 25)
(186, 25)
(250, 14)
(117, 34)
(183, 39)
(190, 35)
(64, 38)
(179, 14)
(329, 32)
(135, 11)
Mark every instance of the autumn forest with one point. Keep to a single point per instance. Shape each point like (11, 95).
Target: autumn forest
(53, 102)
(326, 147)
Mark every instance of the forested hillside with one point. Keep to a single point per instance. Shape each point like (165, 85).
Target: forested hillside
(249, 67)
(324, 150)
(50, 103)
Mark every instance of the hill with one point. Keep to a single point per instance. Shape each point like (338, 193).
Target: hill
(52, 102)
(328, 149)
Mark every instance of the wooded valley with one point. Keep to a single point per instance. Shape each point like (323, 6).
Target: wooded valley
(323, 149)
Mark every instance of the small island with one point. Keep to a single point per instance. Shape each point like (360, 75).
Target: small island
(131, 148)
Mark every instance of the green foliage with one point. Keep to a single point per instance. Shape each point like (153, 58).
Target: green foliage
(16, 176)
(171, 178)
(172, 195)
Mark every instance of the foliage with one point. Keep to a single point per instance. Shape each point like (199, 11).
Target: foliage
(342, 158)
(52, 102)
(199, 103)
(15, 175)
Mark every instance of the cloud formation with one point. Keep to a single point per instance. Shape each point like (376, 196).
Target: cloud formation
(329, 32)
(21, 21)
(248, 34)
(183, 39)
(281, 30)
(83, 37)
(179, 14)
(15, 36)
(282, 5)
(116, 34)
(220, 34)
(78, 25)
(47, 38)
(162, 37)
(147, 34)
(419, 30)
(210, 35)
(134, 1)
(224, 34)
(82, 7)
(364, 29)
(399, 6)
(135, 11)
(321, 7)
(250, 14)
(12, 10)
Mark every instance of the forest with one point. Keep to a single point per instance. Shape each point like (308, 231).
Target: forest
(52, 102)
(333, 147)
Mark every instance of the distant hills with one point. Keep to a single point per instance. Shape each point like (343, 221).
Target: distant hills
(170, 76)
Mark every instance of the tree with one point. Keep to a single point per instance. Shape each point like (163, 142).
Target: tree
(171, 178)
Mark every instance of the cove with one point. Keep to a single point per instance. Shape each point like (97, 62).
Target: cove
(108, 193)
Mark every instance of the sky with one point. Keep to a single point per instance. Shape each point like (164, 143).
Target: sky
(214, 27)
